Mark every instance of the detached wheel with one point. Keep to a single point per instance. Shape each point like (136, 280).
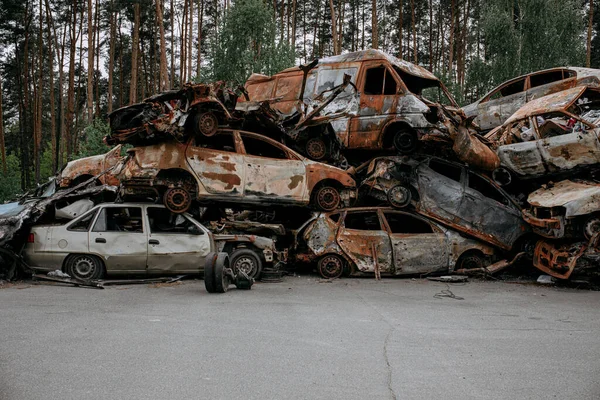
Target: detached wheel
(209, 272)
(207, 123)
(84, 267)
(399, 196)
(222, 281)
(331, 266)
(316, 149)
(327, 198)
(177, 200)
(248, 261)
(591, 226)
(470, 261)
(406, 141)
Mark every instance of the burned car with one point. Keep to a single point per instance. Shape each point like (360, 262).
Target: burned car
(549, 136)
(449, 193)
(380, 102)
(80, 170)
(565, 209)
(136, 238)
(495, 107)
(234, 167)
(385, 241)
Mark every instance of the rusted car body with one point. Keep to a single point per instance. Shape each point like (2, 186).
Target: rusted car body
(495, 107)
(549, 136)
(563, 260)
(385, 241)
(449, 193)
(383, 102)
(565, 209)
(234, 167)
(78, 171)
(197, 108)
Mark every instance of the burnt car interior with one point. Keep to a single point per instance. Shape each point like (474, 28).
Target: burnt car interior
(119, 219)
(164, 221)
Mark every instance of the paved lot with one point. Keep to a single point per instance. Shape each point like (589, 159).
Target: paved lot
(300, 339)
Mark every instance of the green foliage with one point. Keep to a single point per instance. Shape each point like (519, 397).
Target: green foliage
(93, 143)
(247, 44)
(10, 183)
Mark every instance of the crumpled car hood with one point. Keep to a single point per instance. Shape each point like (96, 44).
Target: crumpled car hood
(579, 198)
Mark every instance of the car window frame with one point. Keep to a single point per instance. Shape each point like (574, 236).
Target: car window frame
(141, 207)
(192, 143)
(342, 223)
(185, 215)
(76, 220)
(434, 228)
(488, 96)
(291, 156)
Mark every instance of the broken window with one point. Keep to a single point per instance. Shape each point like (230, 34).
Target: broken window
(549, 77)
(335, 217)
(164, 221)
(83, 225)
(554, 124)
(262, 148)
(507, 90)
(404, 223)
(482, 186)
(221, 142)
(378, 81)
(448, 170)
(119, 219)
(363, 221)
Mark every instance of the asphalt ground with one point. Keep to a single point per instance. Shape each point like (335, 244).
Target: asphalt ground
(300, 339)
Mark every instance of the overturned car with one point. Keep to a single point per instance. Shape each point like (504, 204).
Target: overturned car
(385, 241)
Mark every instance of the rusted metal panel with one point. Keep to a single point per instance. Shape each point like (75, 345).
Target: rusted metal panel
(552, 103)
(91, 166)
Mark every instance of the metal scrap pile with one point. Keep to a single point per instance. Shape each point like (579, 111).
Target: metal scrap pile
(364, 163)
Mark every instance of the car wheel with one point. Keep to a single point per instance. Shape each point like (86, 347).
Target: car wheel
(591, 226)
(222, 281)
(84, 267)
(399, 196)
(331, 266)
(502, 176)
(406, 141)
(327, 198)
(316, 149)
(209, 272)
(248, 261)
(177, 200)
(470, 260)
(207, 124)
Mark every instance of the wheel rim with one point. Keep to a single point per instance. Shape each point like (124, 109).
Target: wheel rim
(84, 267)
(471, 262)
(328, 198)
(246, 264)
(592, 226)
(177, 200)
(405, 141)
(208, 124)
(399, 196)
(331, 267)
(316, 149)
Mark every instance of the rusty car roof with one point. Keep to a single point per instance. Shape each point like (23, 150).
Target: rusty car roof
(554, 102)
(364, 55)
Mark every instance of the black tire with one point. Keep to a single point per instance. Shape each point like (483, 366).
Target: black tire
(209, 272)
(316, 148)
(84, 267)
(331, 266)
(471, 260)
(222, 280)
(327, 198)
(591, 226)
(406, 141)
(248, 261)
(399, 196)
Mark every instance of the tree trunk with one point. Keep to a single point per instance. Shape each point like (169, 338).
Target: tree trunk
(2, 145)
(294, 25)
(333, 28)
(314, 52)
(200, 19)
(71, 89)
(414, 29)
(588, 58)
(90, 63)
(163, 82)
(451, 43)
(40, 86)
(173, 45)
(431, 35)
(400, 27)
(374, 32)
(134, 54)
(190, 40)
(97, 57)
(111, 58)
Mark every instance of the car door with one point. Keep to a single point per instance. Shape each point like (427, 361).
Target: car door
(495, 108)
(176, 243)
(440, 189)
(217, 164)
(489, 214)
(272, 171)
(524, 157)
(120, 238)
(363, 239)
(419, 247)
(378, 99)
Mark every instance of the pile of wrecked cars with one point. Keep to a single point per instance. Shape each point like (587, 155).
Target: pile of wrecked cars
(354, 164)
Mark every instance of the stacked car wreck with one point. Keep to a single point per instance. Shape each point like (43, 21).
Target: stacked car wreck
(358, 163)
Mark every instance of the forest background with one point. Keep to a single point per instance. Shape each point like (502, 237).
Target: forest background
(65, 64)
